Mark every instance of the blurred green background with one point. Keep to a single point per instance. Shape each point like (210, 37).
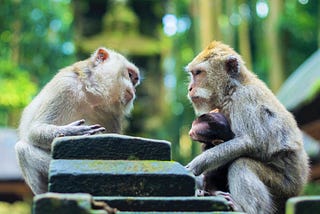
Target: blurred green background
(37, 38)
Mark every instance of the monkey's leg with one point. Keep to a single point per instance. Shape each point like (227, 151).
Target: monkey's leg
(34, 163)
(247, 190)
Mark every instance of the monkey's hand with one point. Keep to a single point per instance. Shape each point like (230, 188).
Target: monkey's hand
(197, 165)
(229, 199)
(77, 128)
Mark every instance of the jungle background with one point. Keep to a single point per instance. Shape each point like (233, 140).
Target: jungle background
(37, 38)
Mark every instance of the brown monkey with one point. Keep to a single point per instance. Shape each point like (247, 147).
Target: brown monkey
(211, 129)
(99, 90)
(268, 163)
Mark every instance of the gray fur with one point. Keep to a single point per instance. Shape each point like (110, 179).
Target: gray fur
(88, 92)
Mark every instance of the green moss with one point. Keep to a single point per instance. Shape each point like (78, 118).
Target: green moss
(15, 208)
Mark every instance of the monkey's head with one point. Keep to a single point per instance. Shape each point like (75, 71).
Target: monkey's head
(212, 72)
(113, 78)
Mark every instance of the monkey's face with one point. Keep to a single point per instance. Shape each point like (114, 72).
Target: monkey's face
(207, 80)
(120, 77)
(210, 74)
(131, 79)
(199, 92)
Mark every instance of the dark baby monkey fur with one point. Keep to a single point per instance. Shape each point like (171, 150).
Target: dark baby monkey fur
(211, 129)
(268, 163)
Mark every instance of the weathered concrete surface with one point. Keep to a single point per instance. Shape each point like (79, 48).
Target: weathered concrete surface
(199, 204)
(303, 205)
(110, 147)
(53, 203)
(120, 178)
(81, 203)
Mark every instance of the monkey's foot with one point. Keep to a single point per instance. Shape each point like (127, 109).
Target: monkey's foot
(229, 199)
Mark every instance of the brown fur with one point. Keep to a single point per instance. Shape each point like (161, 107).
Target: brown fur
(268, 163)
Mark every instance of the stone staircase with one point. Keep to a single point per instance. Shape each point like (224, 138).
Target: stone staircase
(130, 174)
(95, 174)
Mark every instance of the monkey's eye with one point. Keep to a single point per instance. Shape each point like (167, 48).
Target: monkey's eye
(133, 76)
(197, 72)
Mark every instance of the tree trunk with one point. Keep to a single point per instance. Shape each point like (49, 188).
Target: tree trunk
(229, 37)
(209, 12)
(244, 37)
(274, 46)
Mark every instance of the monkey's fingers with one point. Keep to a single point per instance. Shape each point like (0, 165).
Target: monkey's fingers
(229, 199)
(201, 193)
(96, 129)
(77, 123)
(82, 129)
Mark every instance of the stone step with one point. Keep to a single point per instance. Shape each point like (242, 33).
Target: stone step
(166, 204)
(120, 178)
(81, 203)
(53, 203)
(110, 147)
(303, 205)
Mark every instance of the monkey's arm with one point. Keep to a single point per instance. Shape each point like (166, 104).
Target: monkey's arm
(52, 110)
(221, 154)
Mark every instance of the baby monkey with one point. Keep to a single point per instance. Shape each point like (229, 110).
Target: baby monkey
(211, 129)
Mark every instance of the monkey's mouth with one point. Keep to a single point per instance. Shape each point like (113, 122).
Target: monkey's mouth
(197, 99)
(129, 94)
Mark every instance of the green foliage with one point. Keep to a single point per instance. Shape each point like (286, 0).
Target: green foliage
(37, 35)
(314, 91)
(16, 87)
(35, 41)
(298, 25)
(312, 188)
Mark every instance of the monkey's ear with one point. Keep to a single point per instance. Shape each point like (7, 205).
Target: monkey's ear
(101, 55)
(232, 65)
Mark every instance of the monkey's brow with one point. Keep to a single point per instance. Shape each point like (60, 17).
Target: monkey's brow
(186, 69)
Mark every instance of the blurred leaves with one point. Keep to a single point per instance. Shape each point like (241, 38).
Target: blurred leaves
(36, 35)
(16, 88)
(35, 41)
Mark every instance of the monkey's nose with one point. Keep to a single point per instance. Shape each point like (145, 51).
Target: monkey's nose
(191, 133)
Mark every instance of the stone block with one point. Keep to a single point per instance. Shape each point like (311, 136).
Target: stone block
(166, 204)
(53, 203)
(303, 205)
(110, 147)
(81, 203)
(120, 178)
